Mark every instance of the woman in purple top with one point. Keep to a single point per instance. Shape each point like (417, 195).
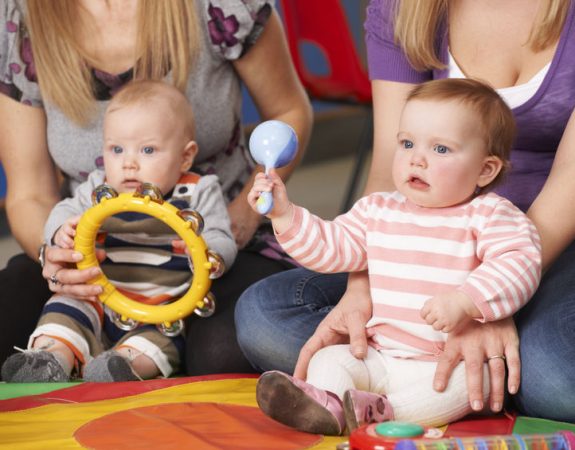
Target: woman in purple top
(527, 52)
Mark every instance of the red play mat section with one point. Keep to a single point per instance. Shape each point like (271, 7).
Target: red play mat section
(191, 425)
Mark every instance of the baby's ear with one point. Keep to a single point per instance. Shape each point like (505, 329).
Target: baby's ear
(188, 155)
(492, 165)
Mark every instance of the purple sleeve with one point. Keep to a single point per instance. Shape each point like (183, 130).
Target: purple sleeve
(386, 60)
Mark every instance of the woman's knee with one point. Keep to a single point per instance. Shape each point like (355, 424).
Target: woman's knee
(260, 320)
(546, 329)
(211, 344)
(276, 316)
(285, 298)
(547, 386)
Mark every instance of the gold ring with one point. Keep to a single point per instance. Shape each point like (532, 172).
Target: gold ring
(496, 357)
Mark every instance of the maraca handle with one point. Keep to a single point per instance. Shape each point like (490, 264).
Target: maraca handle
(265, 203)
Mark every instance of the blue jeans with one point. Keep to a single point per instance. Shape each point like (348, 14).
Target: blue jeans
(546, 328)
(276, 316)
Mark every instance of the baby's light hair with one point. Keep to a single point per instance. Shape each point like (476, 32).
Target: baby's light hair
(145, 92)
(494, 116)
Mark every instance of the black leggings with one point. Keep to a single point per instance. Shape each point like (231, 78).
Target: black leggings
(23, 293)
(211, 345)
(211, 342)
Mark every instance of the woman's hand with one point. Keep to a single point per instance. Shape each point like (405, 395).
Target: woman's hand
(344, 324)
(476, 344)
(64, 279)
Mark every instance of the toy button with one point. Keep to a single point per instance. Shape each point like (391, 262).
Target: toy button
(399, 429)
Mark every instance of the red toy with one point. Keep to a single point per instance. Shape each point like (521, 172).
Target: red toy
(405, 436)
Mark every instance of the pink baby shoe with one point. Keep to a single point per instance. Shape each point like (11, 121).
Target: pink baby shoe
(361, 407)
(299, 405)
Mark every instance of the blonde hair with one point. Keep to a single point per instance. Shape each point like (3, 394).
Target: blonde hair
(149, 93)
(494, 116)
(167, 41)
(417, 23)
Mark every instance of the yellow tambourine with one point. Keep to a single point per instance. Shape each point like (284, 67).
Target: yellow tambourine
(187, 224)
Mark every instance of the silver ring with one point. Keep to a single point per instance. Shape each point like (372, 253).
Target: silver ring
(489, 358)
(54, 279)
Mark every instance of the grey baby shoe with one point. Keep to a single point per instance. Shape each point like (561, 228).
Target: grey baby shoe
(33, 366)
(109, 366)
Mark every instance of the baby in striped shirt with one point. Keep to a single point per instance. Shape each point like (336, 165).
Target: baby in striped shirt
(441, 251)
(149, 137)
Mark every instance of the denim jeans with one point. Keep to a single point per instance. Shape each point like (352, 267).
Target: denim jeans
(546, 328)
(276, 316)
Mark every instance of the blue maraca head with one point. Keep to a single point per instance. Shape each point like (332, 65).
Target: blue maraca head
(273, 144)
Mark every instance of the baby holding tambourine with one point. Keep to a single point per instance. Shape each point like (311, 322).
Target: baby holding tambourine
(148, 138)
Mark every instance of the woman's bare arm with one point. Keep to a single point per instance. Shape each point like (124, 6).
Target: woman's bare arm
(548, 212)
(33, 192)
(30, 172)
(269, 76)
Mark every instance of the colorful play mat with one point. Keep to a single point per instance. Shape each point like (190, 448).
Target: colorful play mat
(215, 412)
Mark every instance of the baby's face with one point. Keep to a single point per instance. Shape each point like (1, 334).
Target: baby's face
(144, 143)
(441, 153)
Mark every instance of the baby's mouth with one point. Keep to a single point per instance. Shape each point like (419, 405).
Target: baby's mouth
(417, 183)
(131, 183)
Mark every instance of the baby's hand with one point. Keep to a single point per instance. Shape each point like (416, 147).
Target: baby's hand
(64, 237)
(447, 312)
(274, 184)
(179, 246)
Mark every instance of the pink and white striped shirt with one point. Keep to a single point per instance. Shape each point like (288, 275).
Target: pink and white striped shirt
(486, 248)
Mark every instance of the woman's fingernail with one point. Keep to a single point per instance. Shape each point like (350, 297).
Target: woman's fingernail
(496, 407)
(438, 386)
(477, 405)
(77, 256)
(513, 389)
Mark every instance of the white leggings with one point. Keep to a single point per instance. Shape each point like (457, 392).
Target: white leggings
(407, 383)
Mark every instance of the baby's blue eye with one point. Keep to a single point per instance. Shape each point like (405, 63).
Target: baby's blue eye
(441, 149)
(117, 149)
(406, 143)
(148, 150)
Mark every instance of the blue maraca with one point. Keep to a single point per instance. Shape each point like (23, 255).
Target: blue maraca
(272, 144)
